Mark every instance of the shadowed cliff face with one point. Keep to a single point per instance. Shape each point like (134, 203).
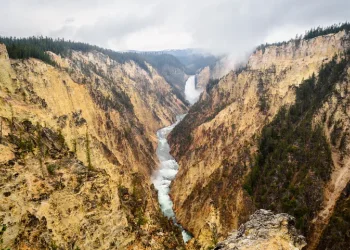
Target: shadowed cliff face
(216, 143)
(336, 234)
(78, 147)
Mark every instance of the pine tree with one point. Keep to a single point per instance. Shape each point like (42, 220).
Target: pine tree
(88, 153)
(0, 130)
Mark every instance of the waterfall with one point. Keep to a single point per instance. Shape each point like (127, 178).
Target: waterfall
(191, 92)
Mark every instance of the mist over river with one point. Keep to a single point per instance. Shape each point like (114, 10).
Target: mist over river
(168, 167)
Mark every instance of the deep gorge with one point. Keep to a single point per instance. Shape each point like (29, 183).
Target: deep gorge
(108, 150)
(168, 167)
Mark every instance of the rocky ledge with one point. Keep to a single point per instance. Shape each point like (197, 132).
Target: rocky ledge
(265, 230)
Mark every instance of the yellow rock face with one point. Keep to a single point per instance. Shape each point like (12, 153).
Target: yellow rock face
(94, 190)
(203, 77)
(221, 68)
(207, 191)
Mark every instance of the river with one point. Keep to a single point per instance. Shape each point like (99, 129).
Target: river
(168, 167)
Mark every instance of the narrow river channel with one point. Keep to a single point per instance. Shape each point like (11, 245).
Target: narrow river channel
(168, 166)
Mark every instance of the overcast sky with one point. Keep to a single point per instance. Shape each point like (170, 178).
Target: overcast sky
(233, 26)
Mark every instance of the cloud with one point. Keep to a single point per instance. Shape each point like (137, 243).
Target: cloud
(234, 26)
(238, 26)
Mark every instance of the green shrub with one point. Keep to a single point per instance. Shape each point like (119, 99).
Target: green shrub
(88, 153)
(25, 146)
(141, 220)
(51, 168)
(2, 231)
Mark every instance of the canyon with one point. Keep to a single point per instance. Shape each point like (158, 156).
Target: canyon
(106, 150)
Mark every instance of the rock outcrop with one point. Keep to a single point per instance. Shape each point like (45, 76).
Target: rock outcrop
(265, 230)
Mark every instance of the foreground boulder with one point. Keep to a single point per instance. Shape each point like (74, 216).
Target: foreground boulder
(265, 230)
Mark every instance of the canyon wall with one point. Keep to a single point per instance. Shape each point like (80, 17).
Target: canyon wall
(77, 150)
(221, 68)
(223, 175)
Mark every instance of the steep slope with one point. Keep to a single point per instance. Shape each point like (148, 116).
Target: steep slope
(78, 145)
(216, 143)
(215, 71)
(336, 234)
(298, 169)
(172, 70)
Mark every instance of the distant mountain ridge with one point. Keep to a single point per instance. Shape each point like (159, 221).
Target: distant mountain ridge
(193, 59)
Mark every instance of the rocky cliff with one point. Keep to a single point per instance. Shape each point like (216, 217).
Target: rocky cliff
(173, 71)
(265, 230)
(77, 148)
(217, 70)
(225, 174)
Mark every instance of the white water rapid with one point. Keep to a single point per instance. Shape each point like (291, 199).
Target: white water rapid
(168, 166)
